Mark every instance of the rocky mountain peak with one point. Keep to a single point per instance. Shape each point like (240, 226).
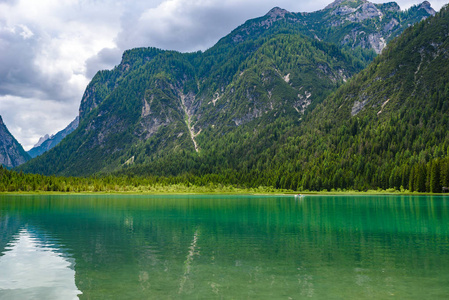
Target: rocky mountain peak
(427, 7)
(354, 10)
(277, 12)
(41, 140)
(350, 3)
(367, 11)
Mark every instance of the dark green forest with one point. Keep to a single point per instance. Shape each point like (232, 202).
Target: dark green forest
(431, 177)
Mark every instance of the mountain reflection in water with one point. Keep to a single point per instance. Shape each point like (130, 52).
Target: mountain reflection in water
(212, 247)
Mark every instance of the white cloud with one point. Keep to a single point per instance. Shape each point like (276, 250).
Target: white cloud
(50, 49)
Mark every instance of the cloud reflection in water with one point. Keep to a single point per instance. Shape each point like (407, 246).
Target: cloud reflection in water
(33, 269)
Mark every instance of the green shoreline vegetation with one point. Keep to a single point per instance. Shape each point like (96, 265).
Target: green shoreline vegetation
(21, 183)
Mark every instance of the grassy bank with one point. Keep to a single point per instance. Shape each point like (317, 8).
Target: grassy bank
(211, 189)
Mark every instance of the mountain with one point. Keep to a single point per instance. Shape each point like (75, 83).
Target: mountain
(47, 142)
(41, 140)
(386, 128)
(227, 110)
(11, 152)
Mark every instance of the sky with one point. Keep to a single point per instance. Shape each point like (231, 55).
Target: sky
(51, 49)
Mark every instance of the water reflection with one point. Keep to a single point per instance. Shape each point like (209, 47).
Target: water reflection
(189, 260)
(242, 247)
(33, 269)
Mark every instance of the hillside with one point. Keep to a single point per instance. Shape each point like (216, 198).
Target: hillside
(387, 127)
(230, 110)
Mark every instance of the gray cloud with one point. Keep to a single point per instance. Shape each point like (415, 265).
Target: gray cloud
(15, 61)
(9, 2)
(19, 73)
(105, 59)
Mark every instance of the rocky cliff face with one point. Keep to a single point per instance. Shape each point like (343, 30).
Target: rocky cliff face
(48, 142)
(11, 152)
(373, 24)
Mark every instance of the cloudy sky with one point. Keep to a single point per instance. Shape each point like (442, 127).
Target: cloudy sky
(50, 49)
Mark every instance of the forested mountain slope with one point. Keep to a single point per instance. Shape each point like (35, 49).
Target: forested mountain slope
(388, 127)
(235, 110)
(163, 107)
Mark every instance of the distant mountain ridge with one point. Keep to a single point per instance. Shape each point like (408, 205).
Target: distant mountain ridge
(11, 152)
(42, 139)
(223, 110)
(348, 23)
(48, 142)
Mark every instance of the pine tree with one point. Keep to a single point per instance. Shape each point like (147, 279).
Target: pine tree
(435, 182)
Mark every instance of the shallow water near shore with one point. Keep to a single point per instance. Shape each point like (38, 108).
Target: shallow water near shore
(230, 247)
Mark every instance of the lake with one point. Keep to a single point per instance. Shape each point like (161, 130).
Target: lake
(224, 247)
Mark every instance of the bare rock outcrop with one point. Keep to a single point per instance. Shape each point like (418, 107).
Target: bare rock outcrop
(11, 152)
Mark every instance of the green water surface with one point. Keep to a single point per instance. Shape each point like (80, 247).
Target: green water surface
(224, 247)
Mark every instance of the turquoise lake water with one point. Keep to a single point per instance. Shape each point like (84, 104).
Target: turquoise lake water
(224, 247)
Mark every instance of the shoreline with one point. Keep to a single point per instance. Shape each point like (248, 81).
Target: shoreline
(225, 193)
